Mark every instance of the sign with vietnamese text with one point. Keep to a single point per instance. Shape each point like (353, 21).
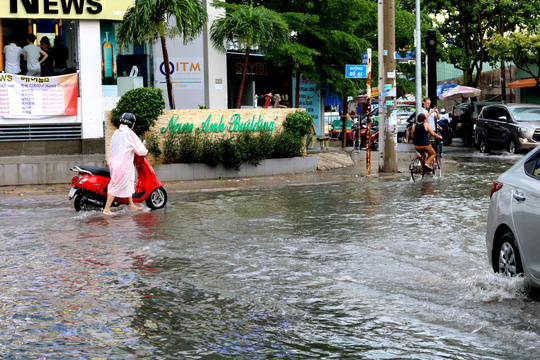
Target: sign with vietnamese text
(356, 71)
(38, 97)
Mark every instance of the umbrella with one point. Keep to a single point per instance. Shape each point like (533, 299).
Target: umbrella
(443, 87)
(459, 92)
(331, 99)
(408, 99)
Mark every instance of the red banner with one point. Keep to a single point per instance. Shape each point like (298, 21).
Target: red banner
(38, 97)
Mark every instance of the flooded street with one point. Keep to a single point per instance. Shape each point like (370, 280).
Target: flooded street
(379, 268)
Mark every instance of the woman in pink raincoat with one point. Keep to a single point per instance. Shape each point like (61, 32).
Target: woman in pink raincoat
(124, 145)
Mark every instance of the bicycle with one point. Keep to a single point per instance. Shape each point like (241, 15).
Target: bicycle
(417, 169)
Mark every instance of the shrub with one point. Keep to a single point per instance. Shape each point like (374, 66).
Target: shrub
(153, 144)
(255, 148)
(211, 153)
(287, 145)
(171, 148)
(145, 103)
(298, 123)
(190, 148)
(231, 153)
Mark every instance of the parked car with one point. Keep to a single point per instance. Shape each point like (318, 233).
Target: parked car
(403, 114)
(462, 122)
(508, 126)
(513, 225)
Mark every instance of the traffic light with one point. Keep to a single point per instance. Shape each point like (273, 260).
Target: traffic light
(431, 46)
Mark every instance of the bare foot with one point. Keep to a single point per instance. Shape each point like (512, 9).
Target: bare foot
(107, 212)
(135, 207)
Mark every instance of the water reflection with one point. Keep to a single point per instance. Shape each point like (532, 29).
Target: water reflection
(371, 268)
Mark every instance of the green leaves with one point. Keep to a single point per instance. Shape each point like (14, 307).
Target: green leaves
(250, 26)
(149, 19)
(521, 48)
(145, 103)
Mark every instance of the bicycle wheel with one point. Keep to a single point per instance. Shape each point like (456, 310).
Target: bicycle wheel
(437, 170)
(416, 168)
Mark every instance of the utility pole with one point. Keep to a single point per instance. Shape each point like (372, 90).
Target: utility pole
(389, 164)
(418, 54)
(503, 67)
(382, 77)
(431, 46)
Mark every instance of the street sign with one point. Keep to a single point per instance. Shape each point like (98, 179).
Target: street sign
(355, 71)
(364, 58)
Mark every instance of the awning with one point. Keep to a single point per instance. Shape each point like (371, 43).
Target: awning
(529, 82)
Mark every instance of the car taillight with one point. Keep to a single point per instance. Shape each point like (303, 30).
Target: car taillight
(495, 187)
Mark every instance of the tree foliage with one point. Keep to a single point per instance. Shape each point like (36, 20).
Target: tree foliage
(152, 19)
(467, 26)
(249, 25)
(522, 49)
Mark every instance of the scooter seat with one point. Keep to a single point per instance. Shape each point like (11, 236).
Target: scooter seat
(97, 170)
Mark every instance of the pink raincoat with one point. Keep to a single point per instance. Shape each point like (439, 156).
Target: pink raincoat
(124, 145)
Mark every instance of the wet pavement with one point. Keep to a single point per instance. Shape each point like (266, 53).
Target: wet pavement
(321, 265)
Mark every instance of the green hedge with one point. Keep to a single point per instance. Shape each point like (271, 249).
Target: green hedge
(230, 151)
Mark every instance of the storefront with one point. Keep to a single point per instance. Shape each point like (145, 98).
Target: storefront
(77, 25)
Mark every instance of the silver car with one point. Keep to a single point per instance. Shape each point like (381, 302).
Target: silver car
(513, 225)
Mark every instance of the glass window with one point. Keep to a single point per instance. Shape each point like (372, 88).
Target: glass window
(526, 113)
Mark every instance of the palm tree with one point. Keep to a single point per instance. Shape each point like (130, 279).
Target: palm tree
(250, 25)
(152, 19)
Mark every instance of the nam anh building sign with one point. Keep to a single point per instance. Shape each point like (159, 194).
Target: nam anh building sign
(65, 9)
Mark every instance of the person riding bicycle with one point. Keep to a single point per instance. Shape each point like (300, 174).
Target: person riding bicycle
(420, 132)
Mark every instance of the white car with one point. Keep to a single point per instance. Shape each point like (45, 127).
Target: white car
(513, 225)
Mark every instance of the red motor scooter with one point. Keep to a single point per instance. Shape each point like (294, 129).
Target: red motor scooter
(89, 187)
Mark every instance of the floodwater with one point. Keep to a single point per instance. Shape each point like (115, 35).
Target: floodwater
(365, 269)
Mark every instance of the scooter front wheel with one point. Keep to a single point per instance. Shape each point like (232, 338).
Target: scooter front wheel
(157, 198)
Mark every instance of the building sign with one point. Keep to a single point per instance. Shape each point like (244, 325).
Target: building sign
(186, 73)
(38, 97)
(310, 99)
(234, 123)
(65, 9)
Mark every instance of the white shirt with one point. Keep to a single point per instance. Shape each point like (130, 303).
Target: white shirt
(13, 58)
(431, 119)
(32, 56)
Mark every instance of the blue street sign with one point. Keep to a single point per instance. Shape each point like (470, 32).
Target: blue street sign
(355, 71)
(364, 58)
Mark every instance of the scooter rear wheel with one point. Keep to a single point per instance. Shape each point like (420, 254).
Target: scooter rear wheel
(86, 202)
(157, 198)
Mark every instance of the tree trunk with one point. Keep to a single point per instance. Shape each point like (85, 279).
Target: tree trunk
(297, 89)
(243, 80)
(167, 72)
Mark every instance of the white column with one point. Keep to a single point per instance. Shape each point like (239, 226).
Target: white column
(91, 108)
(215, 66)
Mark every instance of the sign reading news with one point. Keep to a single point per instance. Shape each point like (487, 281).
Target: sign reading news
(38, 97)
(65, 9)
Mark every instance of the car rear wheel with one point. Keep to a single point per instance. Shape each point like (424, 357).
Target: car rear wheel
(482, 145)
(509, 261)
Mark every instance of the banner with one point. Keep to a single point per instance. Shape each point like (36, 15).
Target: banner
(38, 97)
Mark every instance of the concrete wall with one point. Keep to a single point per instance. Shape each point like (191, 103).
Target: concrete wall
(185, 172)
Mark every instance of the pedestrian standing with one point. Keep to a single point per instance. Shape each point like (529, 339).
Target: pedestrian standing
(60, 55)
(34, 56)
(12, 54)
(47, 65)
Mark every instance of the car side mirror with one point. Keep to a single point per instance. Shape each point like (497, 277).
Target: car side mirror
(502, 118)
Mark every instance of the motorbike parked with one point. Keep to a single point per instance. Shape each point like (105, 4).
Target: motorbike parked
(89, 187)
(360, 131)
